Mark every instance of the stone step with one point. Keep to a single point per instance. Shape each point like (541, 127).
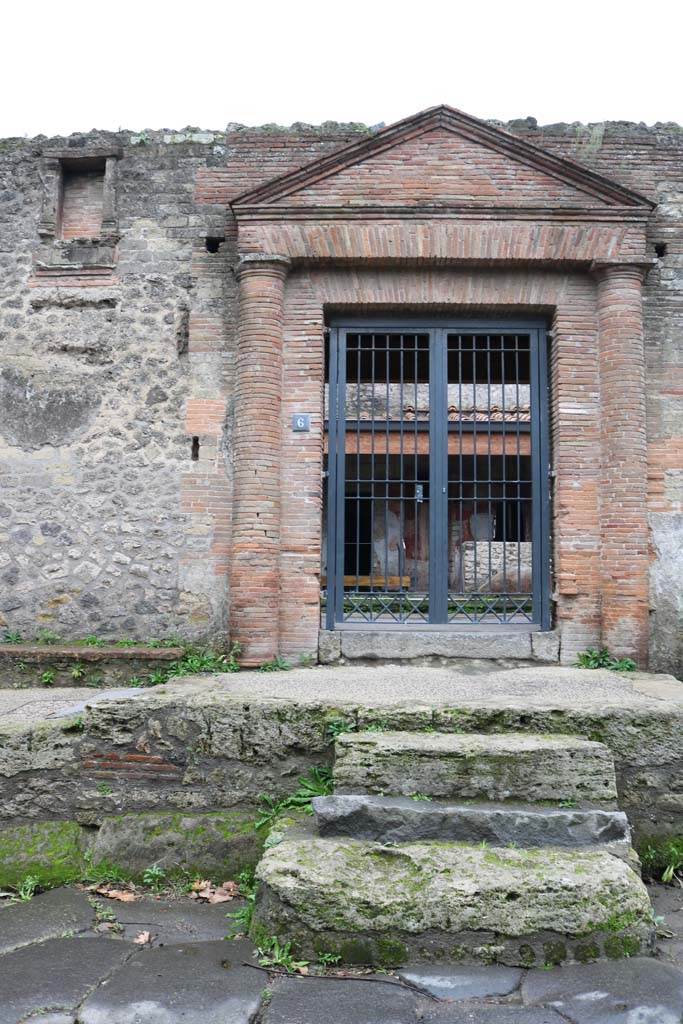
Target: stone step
(403, 820)
(442, 902)
(470, 766)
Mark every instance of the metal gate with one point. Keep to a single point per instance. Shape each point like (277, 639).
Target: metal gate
(437, 462)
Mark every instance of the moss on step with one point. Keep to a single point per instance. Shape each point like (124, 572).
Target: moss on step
(211, 843)
(53, 852)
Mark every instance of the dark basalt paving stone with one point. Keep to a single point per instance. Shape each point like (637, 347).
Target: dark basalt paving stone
(636, 991)
(488, 1014)
(172, 922)
(463, 982)
(55, 975)
(403, 820)
(194, 983)
(357, 1001)
(54, 913)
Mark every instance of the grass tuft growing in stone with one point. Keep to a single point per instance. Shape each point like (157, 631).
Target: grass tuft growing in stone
(662, 858)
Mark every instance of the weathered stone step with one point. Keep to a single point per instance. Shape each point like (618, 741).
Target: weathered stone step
(444, 902)
(460, 766)
(403, 820)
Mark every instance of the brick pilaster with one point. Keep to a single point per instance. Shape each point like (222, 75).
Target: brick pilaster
(623, 515)
(254, 576)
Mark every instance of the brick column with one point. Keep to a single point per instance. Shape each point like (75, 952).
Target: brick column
(623, 516)
(254, 577)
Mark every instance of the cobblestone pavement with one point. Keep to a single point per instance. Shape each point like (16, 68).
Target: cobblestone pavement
(67, 957)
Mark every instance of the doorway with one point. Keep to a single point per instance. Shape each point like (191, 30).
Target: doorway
(437, 461)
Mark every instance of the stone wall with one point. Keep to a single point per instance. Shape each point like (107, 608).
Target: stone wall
(116, 377)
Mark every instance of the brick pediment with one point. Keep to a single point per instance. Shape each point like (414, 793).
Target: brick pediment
(440, 159)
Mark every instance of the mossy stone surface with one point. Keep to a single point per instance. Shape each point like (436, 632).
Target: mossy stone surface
(51, 851)
(452, 766)
(421, 900)
(221, 843)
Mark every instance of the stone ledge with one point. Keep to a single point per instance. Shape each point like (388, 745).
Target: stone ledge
(458, 766)
(405, 820)
(21, 665)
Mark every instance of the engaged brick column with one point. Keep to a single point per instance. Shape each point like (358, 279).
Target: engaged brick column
(254, 577)
(624, 527)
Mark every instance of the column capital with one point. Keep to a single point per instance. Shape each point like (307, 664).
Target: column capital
(634, 268)
(262, 263)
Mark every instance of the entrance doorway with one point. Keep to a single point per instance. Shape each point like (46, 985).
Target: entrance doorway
(436, 510)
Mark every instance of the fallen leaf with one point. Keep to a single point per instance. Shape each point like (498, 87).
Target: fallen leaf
(302, 970)
(122, 895)
(204, 890)
(143, 938)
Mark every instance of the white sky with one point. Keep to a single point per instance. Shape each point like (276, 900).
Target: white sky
(73, 65)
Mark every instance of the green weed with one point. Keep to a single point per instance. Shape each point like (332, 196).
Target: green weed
(273, 953)
(594, 658)
(318, 782)
(336, 726)
(46, 636)
(278, 664)
(154, 877)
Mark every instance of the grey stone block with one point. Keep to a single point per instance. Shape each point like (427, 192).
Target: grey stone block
(55, 974)
(471, 982)
(635, 991)
(546, 646)
(198, 983)
(48, 916)
(455, 766)
(329, 646)
(402, 820)
(387, 644)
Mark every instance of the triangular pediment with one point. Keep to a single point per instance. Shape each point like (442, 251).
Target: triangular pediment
(441, 158)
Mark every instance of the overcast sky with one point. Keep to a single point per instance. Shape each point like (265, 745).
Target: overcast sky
(81, 64)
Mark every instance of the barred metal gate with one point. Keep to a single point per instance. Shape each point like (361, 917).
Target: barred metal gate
(437, 461)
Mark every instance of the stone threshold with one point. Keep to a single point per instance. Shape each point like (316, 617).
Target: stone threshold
(409, 645)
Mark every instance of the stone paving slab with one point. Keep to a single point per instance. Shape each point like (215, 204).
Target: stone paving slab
(173, 922)
(313, 1000)
(458, 983)
(49, 915)
(667, 902)
(196, 983)
(635, 991)
(496, 1015)
(101, 980)
(55, 975)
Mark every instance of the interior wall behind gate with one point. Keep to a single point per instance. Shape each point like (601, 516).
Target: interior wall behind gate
(569, 302)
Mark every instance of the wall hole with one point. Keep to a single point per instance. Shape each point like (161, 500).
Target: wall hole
(195, 449)
(660, 249)
(212, 243)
